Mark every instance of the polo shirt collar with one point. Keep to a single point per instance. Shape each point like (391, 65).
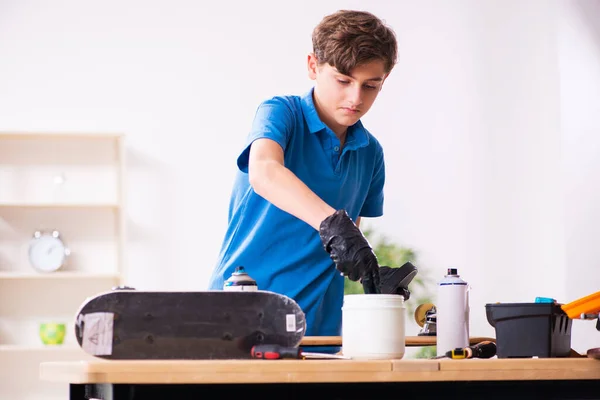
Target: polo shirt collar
(310, 113)
(357, 135)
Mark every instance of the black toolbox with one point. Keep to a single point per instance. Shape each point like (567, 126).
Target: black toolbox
(530, 329)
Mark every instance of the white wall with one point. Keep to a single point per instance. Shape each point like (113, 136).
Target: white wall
(579, 44)
(488, 123)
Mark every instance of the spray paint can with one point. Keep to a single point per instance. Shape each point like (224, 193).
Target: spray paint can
(240, 281)
(452, 313)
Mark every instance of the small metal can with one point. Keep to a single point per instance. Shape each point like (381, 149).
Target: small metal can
(240, 281)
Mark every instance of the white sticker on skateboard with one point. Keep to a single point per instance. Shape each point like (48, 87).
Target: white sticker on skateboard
(98, 333)
(290, 322)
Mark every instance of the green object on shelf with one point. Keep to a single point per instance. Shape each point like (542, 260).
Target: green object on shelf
(52, 333)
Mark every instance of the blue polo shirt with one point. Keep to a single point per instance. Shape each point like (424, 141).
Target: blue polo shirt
(281, 252)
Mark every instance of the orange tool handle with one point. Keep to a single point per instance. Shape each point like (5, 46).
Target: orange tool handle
(275, 352)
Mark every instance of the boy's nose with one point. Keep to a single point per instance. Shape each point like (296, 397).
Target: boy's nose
(355, 97)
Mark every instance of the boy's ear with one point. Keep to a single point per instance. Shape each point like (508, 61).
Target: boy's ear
(312, 64)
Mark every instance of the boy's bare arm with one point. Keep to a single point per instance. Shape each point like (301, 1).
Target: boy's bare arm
(341, 238)
(273, 181)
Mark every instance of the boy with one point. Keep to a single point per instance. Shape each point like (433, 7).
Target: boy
(308, 171)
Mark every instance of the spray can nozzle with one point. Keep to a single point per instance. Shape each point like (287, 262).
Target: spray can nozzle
(240, 281)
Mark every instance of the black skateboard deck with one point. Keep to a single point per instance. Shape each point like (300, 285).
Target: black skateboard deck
(131, 324)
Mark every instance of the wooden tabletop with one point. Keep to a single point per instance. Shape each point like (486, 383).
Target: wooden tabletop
(287, 371)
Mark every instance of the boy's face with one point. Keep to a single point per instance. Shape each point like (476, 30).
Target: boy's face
(342, 100)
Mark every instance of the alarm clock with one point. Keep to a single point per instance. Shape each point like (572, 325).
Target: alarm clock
(47, 251)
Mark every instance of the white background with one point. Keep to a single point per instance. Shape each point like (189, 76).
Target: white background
(490, 124)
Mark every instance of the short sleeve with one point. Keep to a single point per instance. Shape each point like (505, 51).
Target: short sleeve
(273, 120)
(373, 205)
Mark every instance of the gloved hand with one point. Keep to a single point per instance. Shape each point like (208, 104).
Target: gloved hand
(350, 250)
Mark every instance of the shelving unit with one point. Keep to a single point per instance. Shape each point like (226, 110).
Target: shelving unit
(72, 183)
(57, 205)
(58, 275)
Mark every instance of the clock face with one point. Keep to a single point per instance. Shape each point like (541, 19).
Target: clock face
(47, 253)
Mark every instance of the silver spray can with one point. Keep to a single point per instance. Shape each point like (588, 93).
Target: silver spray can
(452, 313)
(240, 281)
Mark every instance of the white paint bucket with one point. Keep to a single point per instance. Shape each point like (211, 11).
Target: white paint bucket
(373, 326)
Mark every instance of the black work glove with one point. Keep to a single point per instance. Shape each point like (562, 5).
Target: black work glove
(350, 250)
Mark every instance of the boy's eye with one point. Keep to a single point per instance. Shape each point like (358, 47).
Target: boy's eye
(345, 82)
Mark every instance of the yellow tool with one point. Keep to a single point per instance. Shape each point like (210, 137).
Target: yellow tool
(485, 349)
(455, 354)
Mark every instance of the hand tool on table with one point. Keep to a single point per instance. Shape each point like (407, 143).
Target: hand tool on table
(276, 352)
(486, 349)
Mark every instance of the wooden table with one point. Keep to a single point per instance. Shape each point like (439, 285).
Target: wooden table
(343, 379)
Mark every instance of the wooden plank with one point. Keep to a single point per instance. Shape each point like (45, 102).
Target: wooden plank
(215, 371)
(415, 365)
(496, 364)
(511, 369)
(410, 340)
(281, 376)
(321, 341)
(520, 369)
(238, 366)
(284, 371)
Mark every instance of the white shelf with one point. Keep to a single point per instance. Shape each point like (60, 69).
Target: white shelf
(59, 205)
(59, 135)
(73, 275)
(20, 348)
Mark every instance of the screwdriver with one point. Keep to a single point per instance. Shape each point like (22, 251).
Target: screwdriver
(486, 349)
(277, 352)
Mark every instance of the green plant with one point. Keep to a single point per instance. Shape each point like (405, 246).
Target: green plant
(426, 352)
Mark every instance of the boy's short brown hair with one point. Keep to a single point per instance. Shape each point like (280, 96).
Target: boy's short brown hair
(347, 38)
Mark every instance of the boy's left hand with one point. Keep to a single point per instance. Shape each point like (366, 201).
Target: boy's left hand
(350, 250)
